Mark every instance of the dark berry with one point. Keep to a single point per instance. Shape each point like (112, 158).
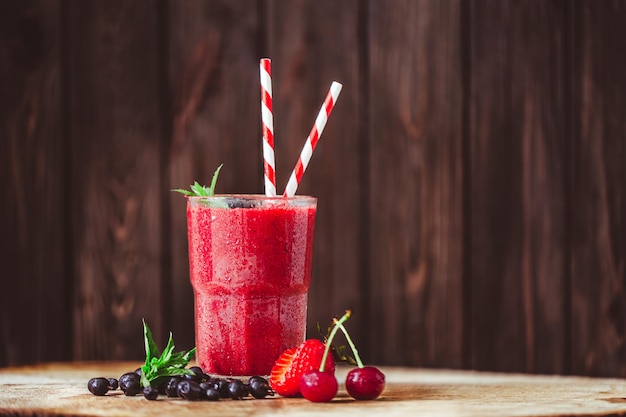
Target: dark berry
(318, 386)
(365, 383)
(133, 387)
(126, 378)
(162, 386)
(236, 202)
(193, 377)
(98, 386)
(212, 394)
(200, 376)
(113, 384)
(203, 387)
(171, 388)
(196, 370)
(237, 389)
(150, 393)
(259, 387)
(189, 390)
(221, 385)
(138, 371)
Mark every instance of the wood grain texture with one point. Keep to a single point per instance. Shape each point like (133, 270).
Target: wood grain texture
(215, 114)
(306, 58)
(597, 179)
(32, 174)
(116, 153)
(517, 186)
(62, 391)
(415, 200)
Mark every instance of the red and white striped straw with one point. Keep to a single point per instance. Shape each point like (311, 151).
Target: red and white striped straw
(311, 141)
(267, 120)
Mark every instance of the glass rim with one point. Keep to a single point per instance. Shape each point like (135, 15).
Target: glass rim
(251, 197)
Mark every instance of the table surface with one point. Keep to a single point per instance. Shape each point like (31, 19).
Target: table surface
(60, 389)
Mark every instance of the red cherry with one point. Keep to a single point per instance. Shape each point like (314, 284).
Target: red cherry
(318, 386)
(365, 383)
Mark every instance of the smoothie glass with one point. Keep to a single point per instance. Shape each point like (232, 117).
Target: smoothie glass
(250, 268)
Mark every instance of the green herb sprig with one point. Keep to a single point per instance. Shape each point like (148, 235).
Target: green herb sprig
(165, 364)
(198, 190)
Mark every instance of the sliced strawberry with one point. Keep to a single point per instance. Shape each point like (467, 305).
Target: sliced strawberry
(278, 376)
(293, 363)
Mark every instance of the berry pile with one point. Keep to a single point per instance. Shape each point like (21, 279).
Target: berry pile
(307, 370)
(195, 386)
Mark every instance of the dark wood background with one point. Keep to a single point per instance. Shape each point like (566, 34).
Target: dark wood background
(471, 178)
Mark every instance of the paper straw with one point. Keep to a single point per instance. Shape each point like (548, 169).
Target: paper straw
(311, 141)
(267, 120)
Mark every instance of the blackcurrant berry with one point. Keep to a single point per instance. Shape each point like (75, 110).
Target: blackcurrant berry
(189, 390)
(113, 384)
(259, 387)
(162, 386)
(126, 379)
(212, 394)
(150, 393)
(133, 387)
(171, 388)
(200, 376)
(237, 389)
(193, 377)
(196, 370)
(240, 203)
(98, 386)
(203, 387)
(221, 385)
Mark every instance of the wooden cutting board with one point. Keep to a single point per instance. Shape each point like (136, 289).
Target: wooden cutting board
(61, 390)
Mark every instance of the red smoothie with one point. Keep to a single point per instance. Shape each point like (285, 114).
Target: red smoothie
(250, 268)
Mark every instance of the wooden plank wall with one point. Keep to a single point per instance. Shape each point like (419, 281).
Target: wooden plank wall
(470, 179)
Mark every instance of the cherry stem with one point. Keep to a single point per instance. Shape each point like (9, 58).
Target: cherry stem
(332, 336)
(351, 343)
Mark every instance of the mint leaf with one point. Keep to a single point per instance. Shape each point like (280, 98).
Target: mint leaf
(214, 180)
(167, 352)
(198, 190)
(168, 363)
(187, 356)
(186, 192)
(152, 350)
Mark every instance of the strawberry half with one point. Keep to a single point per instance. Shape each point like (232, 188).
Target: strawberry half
(295, 362)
